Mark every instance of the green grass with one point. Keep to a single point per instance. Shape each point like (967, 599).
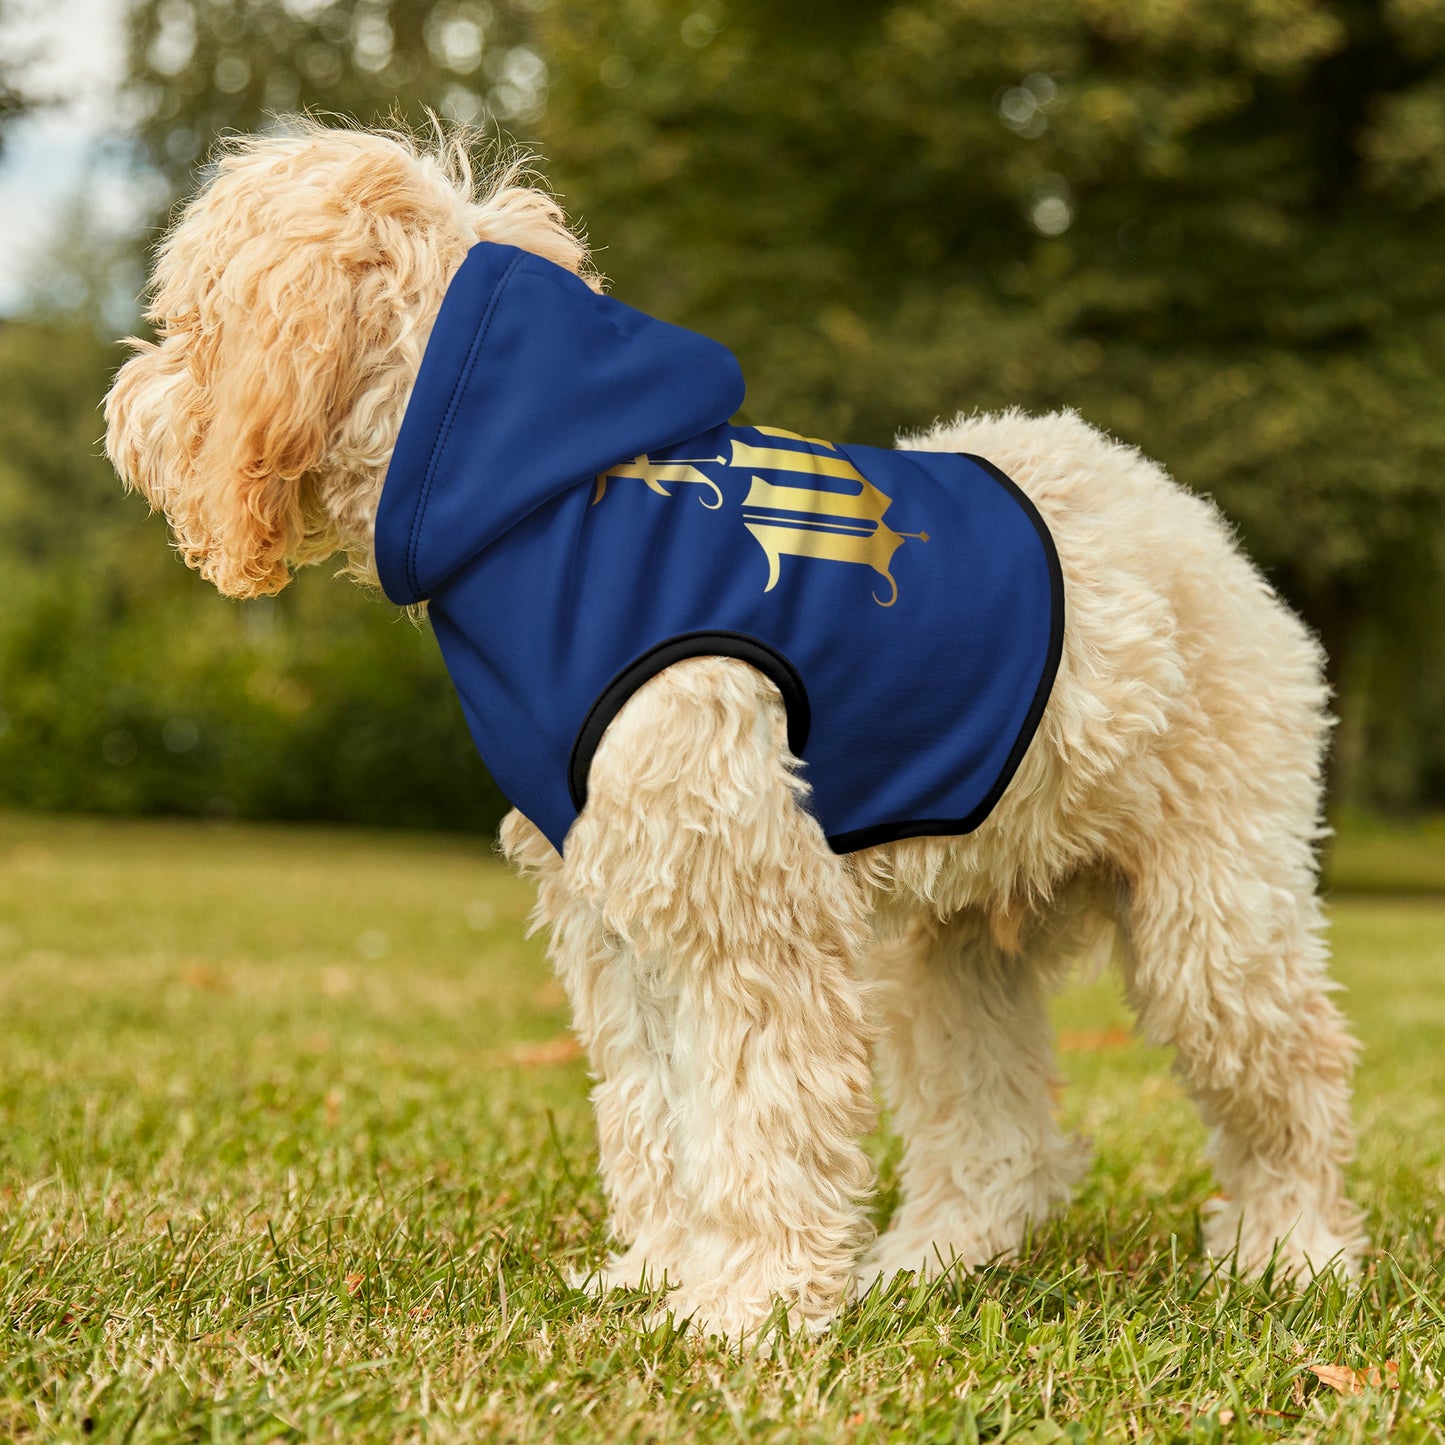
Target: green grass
(1369, 855)
(285, 1154)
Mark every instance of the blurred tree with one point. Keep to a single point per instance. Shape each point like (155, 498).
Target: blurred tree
(14, 99)
(52, 374)
(1216, 227)
(127, 685)
(201, 67)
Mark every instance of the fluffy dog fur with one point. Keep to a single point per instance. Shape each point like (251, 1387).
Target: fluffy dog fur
(729, 975)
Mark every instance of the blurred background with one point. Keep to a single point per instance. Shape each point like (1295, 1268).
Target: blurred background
(1214, 227)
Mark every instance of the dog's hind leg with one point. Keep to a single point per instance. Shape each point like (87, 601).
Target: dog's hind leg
(1228, 965)
(695, 852)
(966, 1061)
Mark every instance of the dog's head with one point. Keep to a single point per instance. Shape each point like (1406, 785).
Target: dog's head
(292, 301)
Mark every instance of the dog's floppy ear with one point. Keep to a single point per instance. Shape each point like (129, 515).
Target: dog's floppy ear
(287, 301)
(223, 422)
(278, 360)
(293, 300)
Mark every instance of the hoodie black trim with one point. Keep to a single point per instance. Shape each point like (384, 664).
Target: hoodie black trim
(771, 663)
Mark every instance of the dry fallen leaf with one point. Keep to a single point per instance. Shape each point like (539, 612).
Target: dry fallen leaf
(554, 1051)
(1347, 1381)
(354, 1282)
(1091, 1041)
(197, 973)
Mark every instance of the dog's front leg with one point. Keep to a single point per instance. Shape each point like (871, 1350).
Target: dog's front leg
(744, 929)
(624, 1025)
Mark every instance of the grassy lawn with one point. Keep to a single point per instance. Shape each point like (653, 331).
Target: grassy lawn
(293, 1146)
(1370, 856)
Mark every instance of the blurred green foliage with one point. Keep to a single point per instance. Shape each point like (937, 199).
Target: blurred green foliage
(1215, 227)
(128, 686)
(14, 100)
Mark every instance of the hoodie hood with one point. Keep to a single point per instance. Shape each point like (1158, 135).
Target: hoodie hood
(531, 385)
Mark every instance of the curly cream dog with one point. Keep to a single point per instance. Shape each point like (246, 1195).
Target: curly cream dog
(732, 977)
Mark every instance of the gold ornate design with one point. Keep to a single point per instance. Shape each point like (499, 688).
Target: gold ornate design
(787, 521)
(654, 474)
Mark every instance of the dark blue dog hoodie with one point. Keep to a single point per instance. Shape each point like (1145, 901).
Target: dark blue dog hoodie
(568, 495)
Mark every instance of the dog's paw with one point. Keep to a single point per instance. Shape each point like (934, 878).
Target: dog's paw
(633, 1270)
(964, 1228)
(1298, 1245)
(898, 1253)
(752, 1324)
(940, 1246)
